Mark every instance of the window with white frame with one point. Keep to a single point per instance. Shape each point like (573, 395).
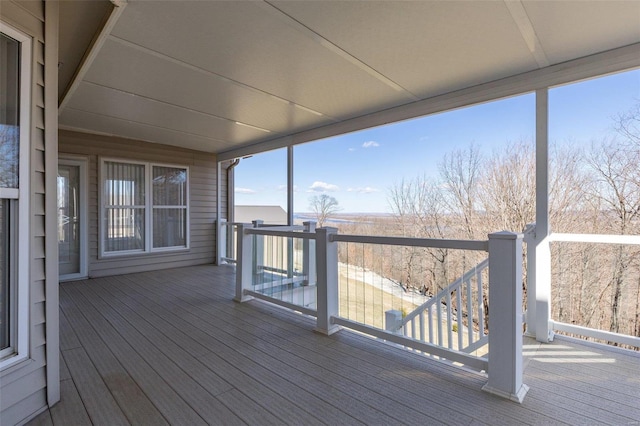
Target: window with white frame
(144, 207)
(15, 81)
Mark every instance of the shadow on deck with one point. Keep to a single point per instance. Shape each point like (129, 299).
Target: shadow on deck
(171, 347)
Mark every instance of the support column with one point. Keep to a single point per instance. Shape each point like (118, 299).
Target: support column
(244, 264)
(219, 241)
(540, 326)
(505, 317)
(327, 285)
(290, 185)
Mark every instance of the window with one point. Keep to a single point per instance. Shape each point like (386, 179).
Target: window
(15, 80)
(144, 207)
(169, 207)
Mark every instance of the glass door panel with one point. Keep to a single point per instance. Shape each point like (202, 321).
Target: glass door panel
(69, 219)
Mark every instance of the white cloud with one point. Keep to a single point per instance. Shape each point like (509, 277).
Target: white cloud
(351, 149)
(319, 186)
(370, 144)
(244, 191)
(284, 188)
(365, 190)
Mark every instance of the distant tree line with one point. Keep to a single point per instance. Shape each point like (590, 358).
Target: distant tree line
(593, 189)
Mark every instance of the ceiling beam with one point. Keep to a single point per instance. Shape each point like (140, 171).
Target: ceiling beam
(327, 44)
(611, 61)
(521, 18)
(87, 61)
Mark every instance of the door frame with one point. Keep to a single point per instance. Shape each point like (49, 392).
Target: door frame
(82, 163)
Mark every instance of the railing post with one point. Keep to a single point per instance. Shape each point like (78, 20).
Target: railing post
(258, 248)
(327, 284)
(544, 333)
(393, 320)
(244, 263)
(221, 240)
(505, 317)
(530, 314)
(309, 256)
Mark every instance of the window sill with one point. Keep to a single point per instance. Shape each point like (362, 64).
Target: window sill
(140, 254)
(13, 363)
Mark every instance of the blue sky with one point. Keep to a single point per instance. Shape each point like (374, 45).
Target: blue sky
(359, 168)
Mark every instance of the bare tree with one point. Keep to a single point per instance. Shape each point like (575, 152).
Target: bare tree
(460, 171)
(323, 206)
(508, 190)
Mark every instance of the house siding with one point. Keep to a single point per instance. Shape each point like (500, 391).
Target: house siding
(23, 387)
(202, 200)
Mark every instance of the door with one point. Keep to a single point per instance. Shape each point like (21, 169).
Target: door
(71, 220)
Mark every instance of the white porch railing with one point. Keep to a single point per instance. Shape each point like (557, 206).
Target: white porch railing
(295, 291)
(278, 264)
(426, 322)
(584, 268)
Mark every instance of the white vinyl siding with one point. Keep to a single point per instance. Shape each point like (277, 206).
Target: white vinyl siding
(200, 198)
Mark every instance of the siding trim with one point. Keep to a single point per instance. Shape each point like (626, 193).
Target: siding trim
(52, 304)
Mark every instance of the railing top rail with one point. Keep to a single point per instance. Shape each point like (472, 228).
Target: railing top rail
(477, 245)
(279, 233)
(224, 222)
(282, 227)
(595, 238)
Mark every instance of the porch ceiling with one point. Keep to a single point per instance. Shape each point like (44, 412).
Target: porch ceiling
(216, 76)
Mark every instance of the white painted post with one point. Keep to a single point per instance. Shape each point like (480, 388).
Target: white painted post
(327, 284)
(244, 264)
(530, 314)
(542, 294)
(544, 333)
(392, 320)
(505, 317)
(258, 248)
(309, 256)
(223, 240)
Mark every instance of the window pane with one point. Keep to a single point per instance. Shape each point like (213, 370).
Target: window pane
(169, 186)
(124, 229)
(169, 228)
(123, 184)
(4, 275)
(9, 112)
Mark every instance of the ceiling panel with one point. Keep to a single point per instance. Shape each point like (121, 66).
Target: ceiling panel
(252, 43)
(570, 30)
(186, 73)
(110, 102)
(79, 23)
(428, 47)
(122, 67)
(81, 120)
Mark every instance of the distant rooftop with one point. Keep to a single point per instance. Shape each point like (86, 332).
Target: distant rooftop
(273, 215)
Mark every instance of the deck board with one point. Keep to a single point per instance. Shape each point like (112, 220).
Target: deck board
(122, 384)
(185, 353)
(70, 410)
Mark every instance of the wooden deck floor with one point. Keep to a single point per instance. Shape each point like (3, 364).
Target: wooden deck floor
(171, 347)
